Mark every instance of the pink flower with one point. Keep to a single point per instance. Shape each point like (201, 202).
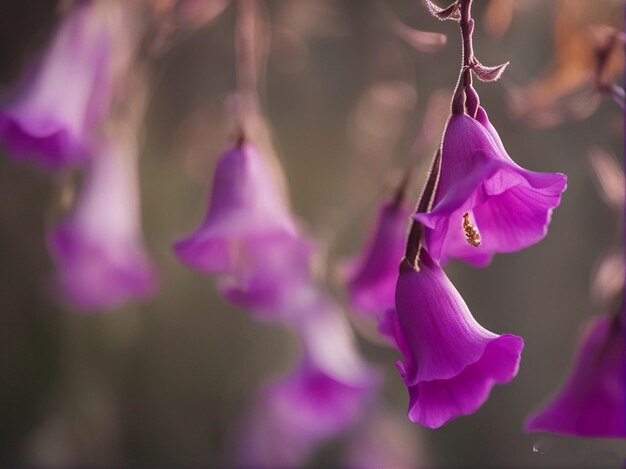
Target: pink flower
(249, 237)
(485, 203)
(246, 215)
(591, 403)
(98, 249)
(372, 278)
(52, 113)
(450, 361)
(325, 395)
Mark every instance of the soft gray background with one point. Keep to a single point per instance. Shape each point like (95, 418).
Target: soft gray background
(163, 383)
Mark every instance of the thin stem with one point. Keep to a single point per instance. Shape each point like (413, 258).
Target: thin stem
(414, 240)
(246, 52)
(464, 95)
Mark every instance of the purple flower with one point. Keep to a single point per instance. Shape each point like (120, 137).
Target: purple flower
(52, 113)
(249, 238)
(295, 414)
(246, 216)
(322, 397)
(372, 277)
(485, 203)
(450, 361)
(591, 403)
(98, 249)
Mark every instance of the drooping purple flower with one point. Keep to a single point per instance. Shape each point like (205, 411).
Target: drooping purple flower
(591, 403)
(99, 249)
(322, 397)
(485, 203)
(249, 238)
(295, 414)
(450, 361)
(371, 279)
(52, 112)
(246, 215)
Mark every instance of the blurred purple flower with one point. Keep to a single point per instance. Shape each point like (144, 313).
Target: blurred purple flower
(52, 113)
(98, 249)
(450, 361)
(246, 216)
(372, 278)
(485, 203)
(591, 403)
(297, 413)
(324, 396)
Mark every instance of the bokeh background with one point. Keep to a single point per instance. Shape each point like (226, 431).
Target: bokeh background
(165, 383)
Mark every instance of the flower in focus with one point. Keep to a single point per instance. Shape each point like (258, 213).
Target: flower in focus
(485, 203)
(371, 279)
(450, 361)
(591, 403)
(52, 113)
(98, 249)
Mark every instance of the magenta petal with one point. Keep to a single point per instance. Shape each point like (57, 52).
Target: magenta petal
(297, 413)
(510, 206)
(98, 250)
(245, 213)
(95, 276)
(372, 277)
(591, 402)
(450, 361)
(49, 121)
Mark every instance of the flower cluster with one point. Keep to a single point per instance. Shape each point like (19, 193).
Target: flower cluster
(251, 242)
(477, 202)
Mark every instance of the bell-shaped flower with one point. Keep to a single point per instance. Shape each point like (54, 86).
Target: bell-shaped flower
(485, 203)
(99, 249)
(450, 361)
(51, 114)
(372, 277)
(294, 415)
(591, 403)
(326, 394)
(246, 215)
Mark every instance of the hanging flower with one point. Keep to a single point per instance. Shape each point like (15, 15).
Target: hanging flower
(246, 215)
(450, 361)
(295, 414)
(323, 396)
(371, 279)
(485, 203)
(52, 113)
(591, 403)
(98, 249)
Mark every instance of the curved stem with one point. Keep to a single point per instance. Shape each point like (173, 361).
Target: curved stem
(414, 241)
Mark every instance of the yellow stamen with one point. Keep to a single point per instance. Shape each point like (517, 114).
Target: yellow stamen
(472, 236)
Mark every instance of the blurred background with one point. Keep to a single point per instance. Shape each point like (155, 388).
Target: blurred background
(167, 381)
